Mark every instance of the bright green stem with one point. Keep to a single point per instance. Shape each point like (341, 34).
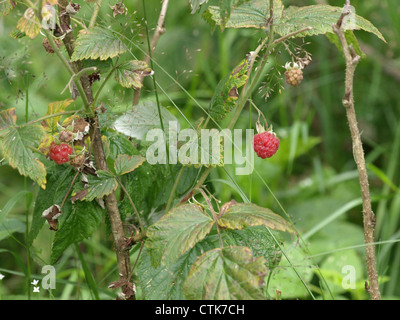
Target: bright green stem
(172, 194)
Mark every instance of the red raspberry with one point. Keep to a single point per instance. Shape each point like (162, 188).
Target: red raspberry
(266, 144)
(60, 152)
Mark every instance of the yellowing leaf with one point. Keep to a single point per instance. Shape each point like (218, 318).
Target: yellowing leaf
(7, 118)
(126, 163)
(15, 146)
(29, 23)
(226, 274)
(242, 215)
(130, 74)
(177, 232)
(54, 108)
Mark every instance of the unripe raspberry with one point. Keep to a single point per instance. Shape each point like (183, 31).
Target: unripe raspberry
(66, 136)
(78, 161)
(293, 74)
(60, 152)
(266, 144)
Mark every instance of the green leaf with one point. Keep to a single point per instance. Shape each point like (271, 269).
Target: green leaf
(242, 215)
(6, 6)
(16, 148)
(226, 274)
(195, 5)
(259, 240)
(248, 15)
(351, 40)
(143, 117)
(287, 280)
(59, 180)
(177, 232)
(98, 187)
(78, 224)
(226, 94)
(29, 23)
(130, 74)
(97, 43)
(126, 163)
(12, 202)
(320, 18)
(9, 226)
(165, 282)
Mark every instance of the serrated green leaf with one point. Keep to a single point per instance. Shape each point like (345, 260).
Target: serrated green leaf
(29, 24)
(226, 94)
(15, 146)
(320, 18)
(59, 180)
(98, 187)
(177, 232)
(97, 43)
(78, 224)
(126, 163)
(248, 15)
(242, 215)
(129, 74)
(6, 6)
(136, 122)
(226, 274)
(165, 282)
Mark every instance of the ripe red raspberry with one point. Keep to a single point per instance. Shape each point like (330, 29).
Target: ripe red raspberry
(60, 152)
(266, 144)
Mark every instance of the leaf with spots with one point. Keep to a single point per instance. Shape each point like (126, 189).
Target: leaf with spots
(177, 232)
(226, 274)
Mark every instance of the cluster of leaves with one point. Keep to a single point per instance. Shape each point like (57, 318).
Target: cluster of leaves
(176, 244)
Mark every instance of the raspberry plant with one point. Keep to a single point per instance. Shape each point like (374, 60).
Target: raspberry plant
(181, 239)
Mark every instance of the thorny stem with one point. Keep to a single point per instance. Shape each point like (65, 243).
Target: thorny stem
(352, 60)
(132, 204)
(84, 87)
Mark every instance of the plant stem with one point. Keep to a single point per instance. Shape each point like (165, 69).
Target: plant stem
(352, 60)
(159, 31)
(132, 204)
(95, 13)
(214, 216)
(68, 67)
(123, 257)
(172, 194)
